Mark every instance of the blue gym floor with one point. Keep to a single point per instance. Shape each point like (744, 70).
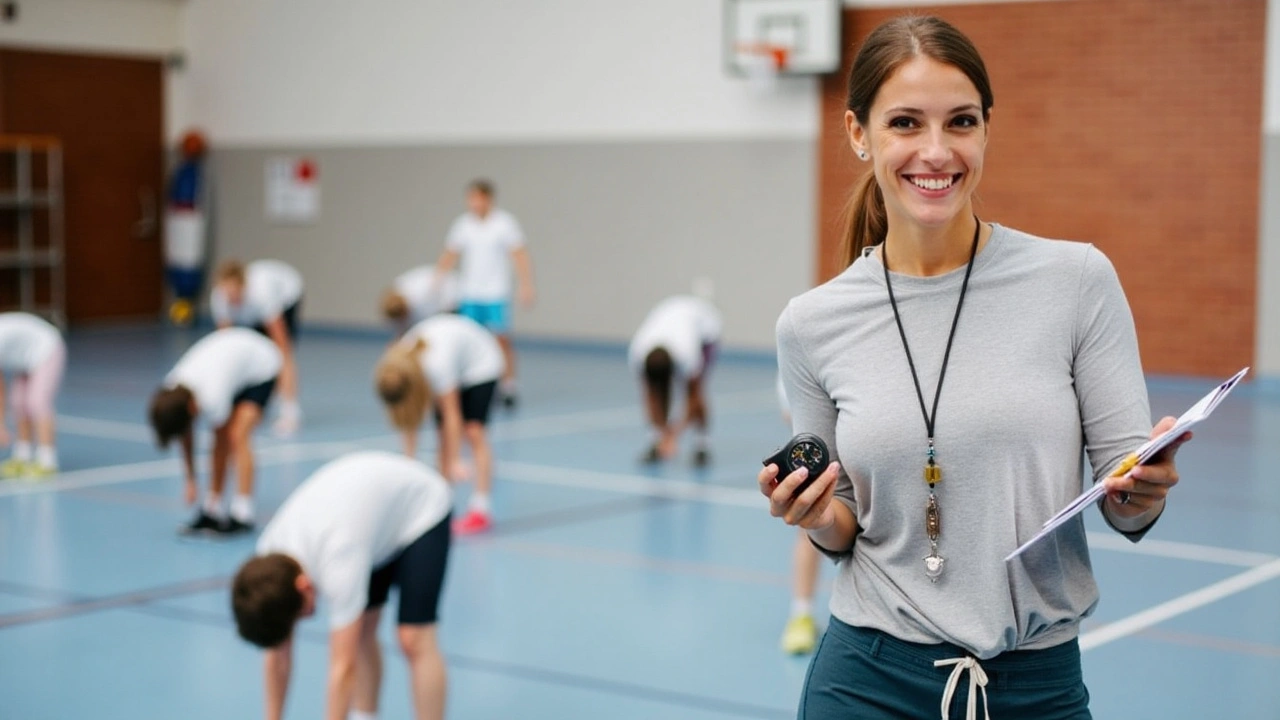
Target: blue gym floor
(605, 590)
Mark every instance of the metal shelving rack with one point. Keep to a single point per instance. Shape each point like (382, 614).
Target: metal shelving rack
(19, 203)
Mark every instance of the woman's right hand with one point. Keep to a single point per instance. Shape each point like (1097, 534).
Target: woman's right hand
(812, 509)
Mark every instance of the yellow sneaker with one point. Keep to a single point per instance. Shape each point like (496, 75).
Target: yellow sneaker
(39, 472)
(800, 636)
(12, 468)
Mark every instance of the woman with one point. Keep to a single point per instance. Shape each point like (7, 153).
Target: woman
(452, 364)
(955, 368)
(33, 354)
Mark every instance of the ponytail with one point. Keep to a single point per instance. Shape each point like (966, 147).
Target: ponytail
(865, 221)
(402, 386)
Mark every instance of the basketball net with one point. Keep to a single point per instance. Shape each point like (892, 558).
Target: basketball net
(763, 63)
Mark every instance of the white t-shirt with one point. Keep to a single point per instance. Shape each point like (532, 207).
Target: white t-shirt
(484, 247)
(270, 287)
(681, 325)
(220, 365)
(25, 341)
(352, 516)
(460, 353)
(424, 296)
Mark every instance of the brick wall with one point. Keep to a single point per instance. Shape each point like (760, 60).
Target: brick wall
(1132, 124)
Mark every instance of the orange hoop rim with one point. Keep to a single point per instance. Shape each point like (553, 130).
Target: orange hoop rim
(778, 54)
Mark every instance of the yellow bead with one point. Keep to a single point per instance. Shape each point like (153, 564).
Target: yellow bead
(932, 474)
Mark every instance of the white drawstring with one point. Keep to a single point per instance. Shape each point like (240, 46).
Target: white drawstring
(977, 681)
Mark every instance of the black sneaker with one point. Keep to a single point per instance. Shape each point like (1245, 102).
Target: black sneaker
(701, 457)
(232, 526)
(204, 523)
(651, 456)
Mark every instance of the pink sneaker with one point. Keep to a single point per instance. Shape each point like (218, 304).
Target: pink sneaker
(473, 522)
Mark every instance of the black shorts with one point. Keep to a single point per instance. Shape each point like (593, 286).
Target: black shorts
(290, 316)
(418, 571)
(476, 401)
(259, 394)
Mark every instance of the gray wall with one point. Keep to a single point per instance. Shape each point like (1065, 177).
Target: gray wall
(612, 227)
(1268, 353)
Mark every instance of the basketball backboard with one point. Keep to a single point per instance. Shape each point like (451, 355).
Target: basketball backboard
(802, 36)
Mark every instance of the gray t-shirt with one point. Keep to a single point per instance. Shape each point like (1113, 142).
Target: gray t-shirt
(1044, 368)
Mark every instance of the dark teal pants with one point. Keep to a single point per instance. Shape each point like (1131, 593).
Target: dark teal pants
(868, 675)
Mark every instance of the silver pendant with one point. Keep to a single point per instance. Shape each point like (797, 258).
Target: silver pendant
(933, 563)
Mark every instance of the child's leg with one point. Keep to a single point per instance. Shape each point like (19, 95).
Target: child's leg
(218, 470)
(41, 392)
(482, 455)
(244, 418)
(23, 451)
(806, 562)
(697, 417)
(801, 633)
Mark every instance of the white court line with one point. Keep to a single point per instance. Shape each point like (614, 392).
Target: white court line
(167, 467)
(105, 429)
(669, 488)
(518, 429)
(1180, 605)
(1178, 550)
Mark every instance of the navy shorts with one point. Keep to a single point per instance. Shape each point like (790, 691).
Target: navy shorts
(476, 401)
(418, 571)
(290, 316)
(259, 394)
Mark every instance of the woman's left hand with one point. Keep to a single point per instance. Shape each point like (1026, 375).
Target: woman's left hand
(1147, 485)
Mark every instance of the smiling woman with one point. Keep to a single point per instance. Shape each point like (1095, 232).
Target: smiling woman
(952, 343)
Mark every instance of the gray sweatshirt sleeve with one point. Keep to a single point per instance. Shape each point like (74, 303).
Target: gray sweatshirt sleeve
(1107, 369)
(812, 409)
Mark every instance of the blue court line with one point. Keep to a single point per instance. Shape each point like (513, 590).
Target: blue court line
(84, 606)
(71, 604)
(514, 670)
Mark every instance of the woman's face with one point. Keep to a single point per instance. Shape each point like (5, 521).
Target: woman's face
(926, 137)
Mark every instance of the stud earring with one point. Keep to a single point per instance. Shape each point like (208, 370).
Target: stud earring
(862, 154)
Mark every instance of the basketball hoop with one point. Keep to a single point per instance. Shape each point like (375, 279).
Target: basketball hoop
(763, 62)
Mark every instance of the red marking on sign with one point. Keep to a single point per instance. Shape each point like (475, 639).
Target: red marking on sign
(305, 170)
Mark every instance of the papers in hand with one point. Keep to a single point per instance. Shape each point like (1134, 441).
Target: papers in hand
(1196, 413)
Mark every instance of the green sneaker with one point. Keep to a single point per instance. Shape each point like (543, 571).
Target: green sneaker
(800, 636)
(12, 468)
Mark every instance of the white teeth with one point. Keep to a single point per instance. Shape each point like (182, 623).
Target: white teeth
(932, 183)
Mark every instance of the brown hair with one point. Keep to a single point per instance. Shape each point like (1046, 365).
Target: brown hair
(232, 270)
(402, 386)
(394, 307)
(885, 49)
(170, 413)
(265, 599)
(658, 371)
(482, 186)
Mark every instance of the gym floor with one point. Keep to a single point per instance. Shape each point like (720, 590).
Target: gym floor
(605, 590)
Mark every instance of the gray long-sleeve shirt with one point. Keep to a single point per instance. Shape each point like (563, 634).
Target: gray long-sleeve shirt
(1044, 368)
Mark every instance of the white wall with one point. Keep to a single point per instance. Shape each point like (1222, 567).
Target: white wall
(440, 71)
(1271, 88)
(145, 27)
(1268, 328)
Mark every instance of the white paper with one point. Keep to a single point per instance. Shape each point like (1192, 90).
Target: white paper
(292, 190)
(1194, 415)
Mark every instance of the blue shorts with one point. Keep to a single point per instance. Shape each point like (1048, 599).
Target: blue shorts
(495, 316)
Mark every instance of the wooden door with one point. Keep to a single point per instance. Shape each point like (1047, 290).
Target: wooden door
(108, 112)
